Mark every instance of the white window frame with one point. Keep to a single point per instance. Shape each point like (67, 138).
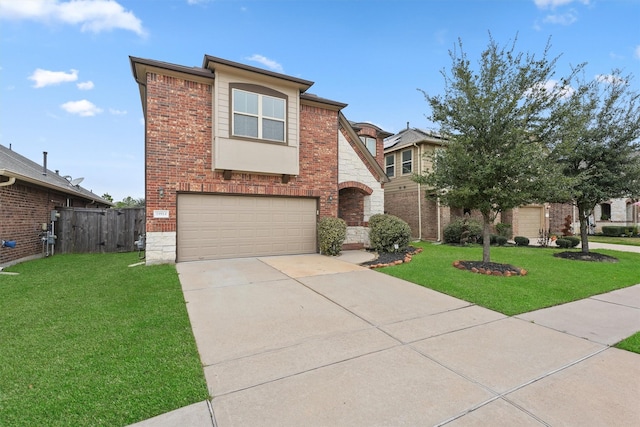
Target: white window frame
(404, 162)
(260, 116)
(392, 165)
(367, 141)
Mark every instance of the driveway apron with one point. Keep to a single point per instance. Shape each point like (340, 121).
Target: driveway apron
(311, 340)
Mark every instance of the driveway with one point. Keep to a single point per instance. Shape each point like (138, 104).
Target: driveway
(315, 341)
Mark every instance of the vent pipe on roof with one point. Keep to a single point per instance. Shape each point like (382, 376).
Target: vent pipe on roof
(407, 125)
(44, 163)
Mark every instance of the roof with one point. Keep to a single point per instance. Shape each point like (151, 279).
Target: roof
(410, 136)
(14, 165)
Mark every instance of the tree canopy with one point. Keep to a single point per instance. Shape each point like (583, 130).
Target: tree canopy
(496, 120)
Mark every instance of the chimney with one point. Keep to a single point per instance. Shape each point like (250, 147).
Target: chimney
(44, 163)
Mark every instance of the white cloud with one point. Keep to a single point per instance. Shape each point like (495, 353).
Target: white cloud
(552, 86)
(47, 78)
(117, 112)
(88, 85)
(552, 4)
(91, 15)
(82, 108)
(269, 63)
(609, 78)
(197, 1)
(561, 19)
(637, 52)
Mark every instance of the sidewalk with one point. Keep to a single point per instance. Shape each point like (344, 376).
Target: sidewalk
(317, 341)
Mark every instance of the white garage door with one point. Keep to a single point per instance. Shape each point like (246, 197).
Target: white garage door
(225, 226)
(530, 221)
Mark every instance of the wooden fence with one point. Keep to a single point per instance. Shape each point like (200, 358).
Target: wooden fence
(82, 230)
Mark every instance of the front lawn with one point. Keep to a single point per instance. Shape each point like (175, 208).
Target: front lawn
(550, 281)
(87, 341)
(631, 344)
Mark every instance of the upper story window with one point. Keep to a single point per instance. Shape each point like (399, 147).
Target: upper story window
(370, 143)
(390, 165)
(259, 116)
(407, 162)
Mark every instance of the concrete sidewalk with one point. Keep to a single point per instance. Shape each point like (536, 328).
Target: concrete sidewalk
(315, 341)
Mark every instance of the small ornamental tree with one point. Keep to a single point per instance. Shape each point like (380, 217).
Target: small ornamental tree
(597, 143)
(494, 118)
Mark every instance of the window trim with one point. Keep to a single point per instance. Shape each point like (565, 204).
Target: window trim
(364, 139)
(392, 165)
(261, 91)
(403, 162)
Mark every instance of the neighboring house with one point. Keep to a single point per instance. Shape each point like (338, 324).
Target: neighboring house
(408, 152)
(622, 212)
(242, 162)
(28, 193)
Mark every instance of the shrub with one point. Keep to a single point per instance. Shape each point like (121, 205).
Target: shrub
(613, 230)
(504, 229)
(331, 234)
(575, 240)
(386, 231)
(563, 243)
(493, 239)
(462, 230)
(501, 240)
(521, 241)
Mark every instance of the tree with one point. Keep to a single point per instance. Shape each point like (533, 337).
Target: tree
(496, 122)
(108, 197)
(130, 202)
(597, 137)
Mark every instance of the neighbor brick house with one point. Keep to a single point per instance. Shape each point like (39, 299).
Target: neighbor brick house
(408, 152)
(241, 161)
(29, 191)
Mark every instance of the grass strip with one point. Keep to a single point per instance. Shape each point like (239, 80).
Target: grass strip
(550, 281)
(88, 341)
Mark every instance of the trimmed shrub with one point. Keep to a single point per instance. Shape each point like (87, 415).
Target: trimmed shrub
(501, 240)
(521, 241)
(613, 230)
(563, 243)
(331, 234)
(462, 231)
(493, 239)
(504, 229)
(387, 231)
(575, 240)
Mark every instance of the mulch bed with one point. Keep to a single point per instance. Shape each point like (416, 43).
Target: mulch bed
(591, 256)
(387, 259)
(490, 268)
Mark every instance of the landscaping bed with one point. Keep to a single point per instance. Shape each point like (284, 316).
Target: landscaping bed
(386, 259)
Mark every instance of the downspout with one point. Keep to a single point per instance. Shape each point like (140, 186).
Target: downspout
(419, 193)
(439, 219)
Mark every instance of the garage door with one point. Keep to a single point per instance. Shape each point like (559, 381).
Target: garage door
(224, 226)
(530, 221)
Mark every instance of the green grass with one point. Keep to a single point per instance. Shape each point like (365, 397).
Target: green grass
(632, 241)
(631, 344)
(87, 341)
(550, 280)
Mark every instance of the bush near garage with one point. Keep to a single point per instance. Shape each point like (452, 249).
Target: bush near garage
(563, 243)
(521, 241)
(462, 230)
(331, 234)
(575, 240)
(387, 231)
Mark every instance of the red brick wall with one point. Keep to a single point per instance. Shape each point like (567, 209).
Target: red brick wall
(351, 207)
(23, 209)
(557, 214)
(404, 205)
(179, 153)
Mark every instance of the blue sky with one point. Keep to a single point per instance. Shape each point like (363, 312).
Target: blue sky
(66, 85)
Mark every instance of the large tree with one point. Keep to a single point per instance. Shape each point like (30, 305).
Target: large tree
(495, 118)
(598, 143)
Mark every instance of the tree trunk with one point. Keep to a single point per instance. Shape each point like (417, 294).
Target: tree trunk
(583, 214)
(486, 238)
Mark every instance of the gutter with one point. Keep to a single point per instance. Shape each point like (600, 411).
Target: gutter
(12, 180)
(419, 193)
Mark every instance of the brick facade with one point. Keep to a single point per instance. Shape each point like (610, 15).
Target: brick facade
(179, 138)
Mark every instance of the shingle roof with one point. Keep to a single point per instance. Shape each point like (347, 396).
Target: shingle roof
(17, 166)
(412, 136)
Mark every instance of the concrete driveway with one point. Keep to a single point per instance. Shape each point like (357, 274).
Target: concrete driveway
(316, 341)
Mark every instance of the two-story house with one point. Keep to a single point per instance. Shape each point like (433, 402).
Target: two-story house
(242, 161)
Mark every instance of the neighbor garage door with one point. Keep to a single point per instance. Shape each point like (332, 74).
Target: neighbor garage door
(530, 221)
(224, 226)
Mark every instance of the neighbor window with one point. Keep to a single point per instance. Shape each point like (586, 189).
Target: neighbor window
(390, 165)
(605, 211)
(407, 163)
(370, 143)
(260, 116)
